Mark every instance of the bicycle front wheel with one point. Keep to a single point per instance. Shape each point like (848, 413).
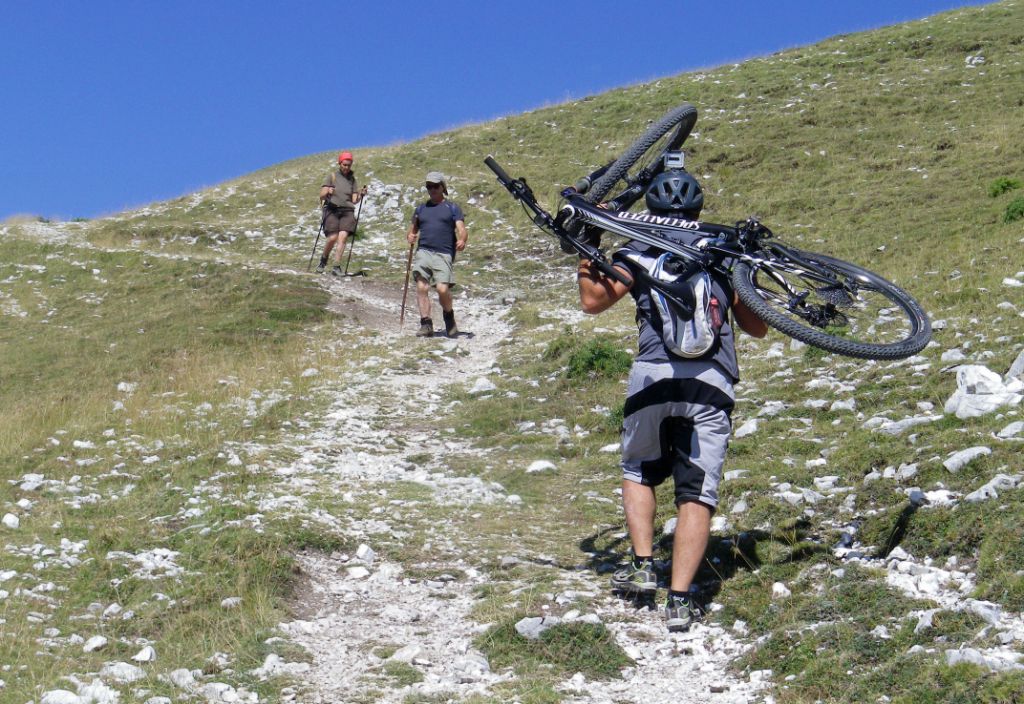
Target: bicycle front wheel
(834, 305)
(666, 134)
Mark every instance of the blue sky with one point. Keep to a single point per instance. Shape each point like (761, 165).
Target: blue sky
(110, 105)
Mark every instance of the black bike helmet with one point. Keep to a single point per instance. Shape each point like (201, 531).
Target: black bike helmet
(675, 193)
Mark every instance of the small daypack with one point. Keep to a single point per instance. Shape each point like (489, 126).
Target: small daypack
(689, 332)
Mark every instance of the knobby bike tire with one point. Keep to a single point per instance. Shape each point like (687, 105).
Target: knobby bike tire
(918, 327)
(682, 119)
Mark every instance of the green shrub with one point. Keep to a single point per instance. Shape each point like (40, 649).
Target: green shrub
(1015, 210)
(600, 357)
(566, 648)
(1001, 185)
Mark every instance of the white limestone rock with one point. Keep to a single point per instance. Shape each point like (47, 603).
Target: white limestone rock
(960, 459)
(991, 489)
(482, 386)
(147, 654)
(532, 626)
(981, 391)
(93, 644)
(1012, 430)
(122, 672)
(748, 428)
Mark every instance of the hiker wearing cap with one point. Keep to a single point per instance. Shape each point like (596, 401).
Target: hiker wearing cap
(339, 195)
(440, 228)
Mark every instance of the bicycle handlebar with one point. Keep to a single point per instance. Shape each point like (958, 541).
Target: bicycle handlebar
(542, 218)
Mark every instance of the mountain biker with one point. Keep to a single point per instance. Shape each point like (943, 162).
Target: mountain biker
(677, 413)
(339, 196)
(441, 229)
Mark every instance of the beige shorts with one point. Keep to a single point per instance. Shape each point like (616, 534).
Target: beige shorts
(433, 267)
(338, 220)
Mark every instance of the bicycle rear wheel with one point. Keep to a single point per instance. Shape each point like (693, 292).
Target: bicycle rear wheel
(666, 134)
(857, 314)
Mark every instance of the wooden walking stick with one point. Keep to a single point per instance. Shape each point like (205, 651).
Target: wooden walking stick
(405, 292)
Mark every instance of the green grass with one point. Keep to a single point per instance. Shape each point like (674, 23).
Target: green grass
(883, 148)
(181, 334)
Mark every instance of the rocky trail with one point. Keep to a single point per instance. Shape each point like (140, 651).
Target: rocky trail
(357, 614)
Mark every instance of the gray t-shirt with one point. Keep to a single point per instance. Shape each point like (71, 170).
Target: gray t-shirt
(651, 346)
(344, 187)
(436, 225)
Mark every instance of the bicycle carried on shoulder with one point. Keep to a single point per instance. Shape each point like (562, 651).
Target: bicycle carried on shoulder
(814, 298)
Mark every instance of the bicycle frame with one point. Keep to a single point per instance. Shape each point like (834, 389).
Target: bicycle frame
(716, 244)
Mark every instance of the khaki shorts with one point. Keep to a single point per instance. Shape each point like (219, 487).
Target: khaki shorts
(433, 267)
(338, 220)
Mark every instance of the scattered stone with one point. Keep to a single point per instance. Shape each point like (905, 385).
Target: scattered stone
(182, 679)
(981, 391)
(275, 666)
(471, 668)
(218, 692)
(541, 466)
(122, 672)
(93, 644)
(60, 696)
(147, 654)
(231, 602)
(11, 521)
(989, 662)
(407, 653)
(365, 553)
(1016, 370)
(482, 385)
(532, 626)
(96, 692)
(958, 460)
(1012, 430)
(748, 428)
(990, 490)
(358, 572)
(780, 591)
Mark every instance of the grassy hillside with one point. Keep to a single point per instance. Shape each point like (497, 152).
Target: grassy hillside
(173, 337)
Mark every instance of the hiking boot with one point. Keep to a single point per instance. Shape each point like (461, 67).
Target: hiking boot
(336, 271)
(681, 612)
(449, 323)
(636, 578)
(321, 266)
(426, 328)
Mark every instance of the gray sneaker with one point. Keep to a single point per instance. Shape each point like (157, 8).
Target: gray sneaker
(634, 579)
(681, 612)
(320, 267)
(336, 271)
(426, 329)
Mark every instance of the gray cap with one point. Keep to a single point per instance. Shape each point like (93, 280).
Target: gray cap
(436, 177)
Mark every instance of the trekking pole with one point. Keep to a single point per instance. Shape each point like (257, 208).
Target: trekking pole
(318, 232)
(356, 229)
(405, 293)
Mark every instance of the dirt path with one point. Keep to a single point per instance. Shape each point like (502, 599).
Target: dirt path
(368, 625)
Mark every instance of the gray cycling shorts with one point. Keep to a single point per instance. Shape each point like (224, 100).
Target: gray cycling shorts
(677, 423)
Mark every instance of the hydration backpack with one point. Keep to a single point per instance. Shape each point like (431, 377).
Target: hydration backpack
(692, 329)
